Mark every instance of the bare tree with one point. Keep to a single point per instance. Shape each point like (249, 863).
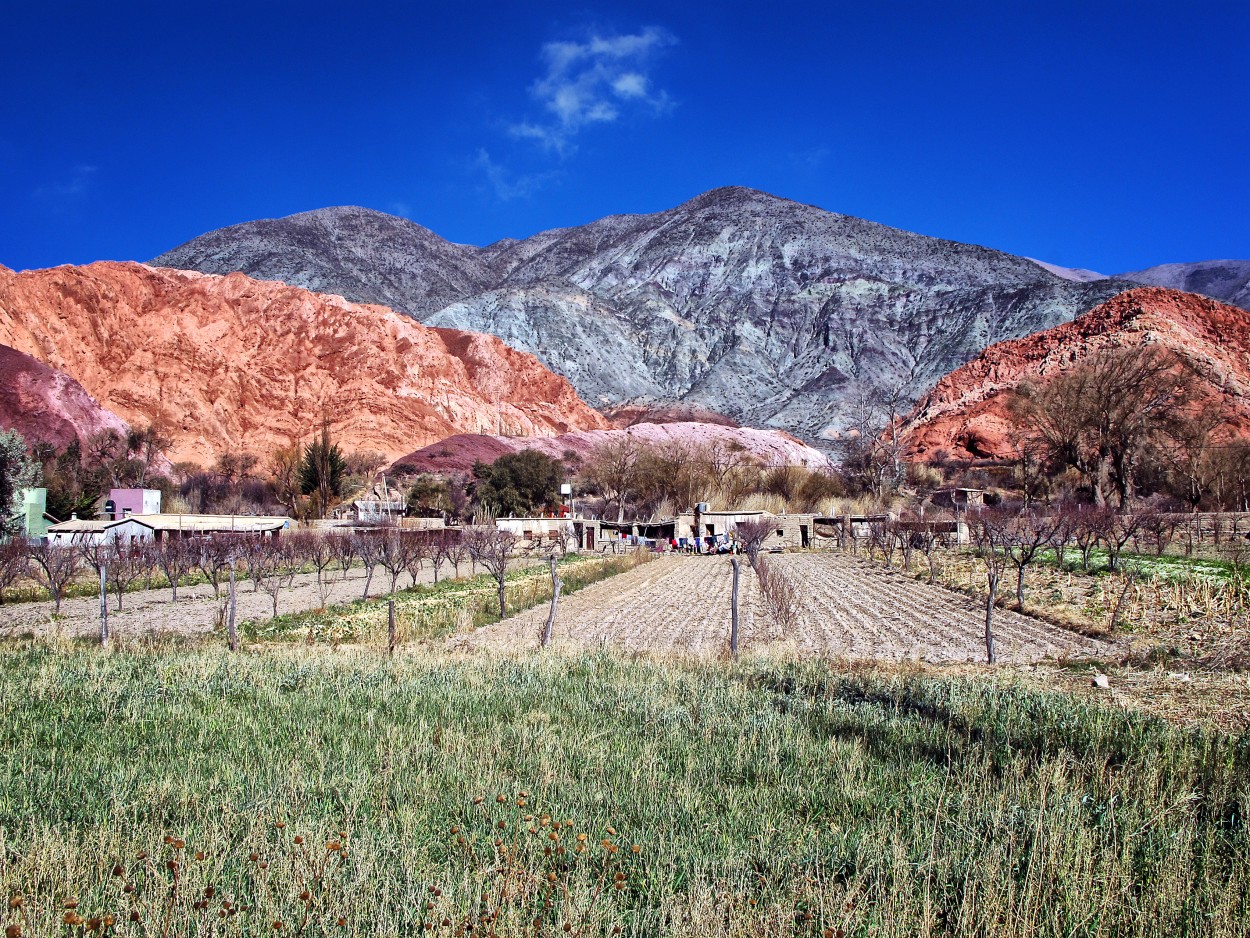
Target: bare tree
(14, 564)
(457, 551)
(1157, 526)
(212, 556)
(417, 552)
(128, 561)
(277, 564)
(343, 547)
(1120, 528)
(368, 547)
(393, 550)
(1100, 415)
(176, 557)
(992, 540)
(318, 550)
(1088, 524)
(437, 550)
(752, 535)
(491, 548)
(54, 568)
(1031, 532)
(612, 470)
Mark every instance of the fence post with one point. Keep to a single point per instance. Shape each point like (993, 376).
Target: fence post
(733, 628)
(557, 584)
(104, 605)
(231, 632)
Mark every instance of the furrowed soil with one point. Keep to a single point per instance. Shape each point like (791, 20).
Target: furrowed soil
(848, 608)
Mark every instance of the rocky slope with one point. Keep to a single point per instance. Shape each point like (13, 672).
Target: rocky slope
(236, 363)
(1226, 281)
(768, 447)
(769, 311)
(48, 406)
(357, 253)
(965, 415)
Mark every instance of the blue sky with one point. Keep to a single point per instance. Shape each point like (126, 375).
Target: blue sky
(1104, 135)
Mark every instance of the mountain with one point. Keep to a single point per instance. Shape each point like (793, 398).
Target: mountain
(771, 312)
(48, 406)
(1079, 274)
(357, 253)
(1226, 281)
(769, 447)
(230, 363)
(965, 415)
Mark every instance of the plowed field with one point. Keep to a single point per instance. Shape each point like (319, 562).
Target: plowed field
(848, 608)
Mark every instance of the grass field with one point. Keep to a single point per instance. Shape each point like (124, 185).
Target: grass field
(764, 799)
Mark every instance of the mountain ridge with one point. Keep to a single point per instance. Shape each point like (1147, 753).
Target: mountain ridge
(773, 312)
(229, 362)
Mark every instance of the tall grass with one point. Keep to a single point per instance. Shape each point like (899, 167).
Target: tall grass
(764, 799)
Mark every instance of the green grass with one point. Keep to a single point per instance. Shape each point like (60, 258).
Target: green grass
(765, 799)
(436, 610)
(1165, 568)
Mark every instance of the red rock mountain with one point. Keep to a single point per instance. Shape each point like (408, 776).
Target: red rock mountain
(965, 415)
(48, 406)
(231, 363)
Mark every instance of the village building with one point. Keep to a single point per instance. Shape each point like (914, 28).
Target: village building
(161, 527)
(538, 531)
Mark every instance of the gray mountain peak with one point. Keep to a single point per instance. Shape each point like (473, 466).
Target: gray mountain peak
(773, 312)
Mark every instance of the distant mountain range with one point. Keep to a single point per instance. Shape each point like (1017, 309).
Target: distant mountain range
(772, 312)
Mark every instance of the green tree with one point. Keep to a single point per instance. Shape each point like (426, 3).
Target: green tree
(518, 483)
(17, 472)
(322, 470)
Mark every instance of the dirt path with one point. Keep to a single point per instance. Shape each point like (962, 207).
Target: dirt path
(148, 612)
(679, 606)
(671, 606)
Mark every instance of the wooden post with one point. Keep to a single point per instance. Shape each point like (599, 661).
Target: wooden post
(390, 626)
(733, 628)
(232, 633)
(104, 605)
(557, 584)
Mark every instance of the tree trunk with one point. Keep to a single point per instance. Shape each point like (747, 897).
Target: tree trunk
(232, 634)
(503, 606)
(104, 605)
(1020, 588)
(390, 626)
(733, 607)
(989, 618)
(556, 585)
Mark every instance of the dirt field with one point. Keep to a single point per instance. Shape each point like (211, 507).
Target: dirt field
(852, 608)
(148, 612)
(848, 609)
(673, 605)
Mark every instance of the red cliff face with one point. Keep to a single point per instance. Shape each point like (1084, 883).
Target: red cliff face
(48, 406)
(965, 415)
(231, 363)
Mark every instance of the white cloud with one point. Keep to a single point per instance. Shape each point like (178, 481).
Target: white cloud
(504, 183)
(592, 82)
(70, 188)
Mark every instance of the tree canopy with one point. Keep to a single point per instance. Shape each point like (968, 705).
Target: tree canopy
(518, 483)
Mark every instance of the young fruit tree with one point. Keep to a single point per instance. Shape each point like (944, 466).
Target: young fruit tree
(992, 540)
(54, 568)
(176, 557)
(490, 547)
